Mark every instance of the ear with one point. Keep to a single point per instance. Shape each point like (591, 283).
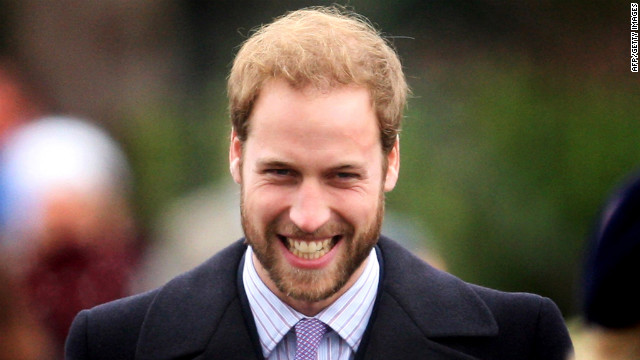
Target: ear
(393, 167)
(235, 157)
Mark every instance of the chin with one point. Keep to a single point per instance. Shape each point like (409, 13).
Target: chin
(309, 285)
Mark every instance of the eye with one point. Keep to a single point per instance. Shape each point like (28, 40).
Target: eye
(278, 172)
(347, 175)
(345, 179)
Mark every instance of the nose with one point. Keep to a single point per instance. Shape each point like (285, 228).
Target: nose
(310, 209)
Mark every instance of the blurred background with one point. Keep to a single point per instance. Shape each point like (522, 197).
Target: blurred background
(524, 116)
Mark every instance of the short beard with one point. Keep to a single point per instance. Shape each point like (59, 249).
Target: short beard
(312, 285)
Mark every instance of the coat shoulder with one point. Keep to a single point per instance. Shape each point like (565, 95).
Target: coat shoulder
(470, 319)
(529, 319)
(117, 329)
(108, 331)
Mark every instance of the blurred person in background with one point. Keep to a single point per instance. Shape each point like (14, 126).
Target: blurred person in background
(68, 230)
(611, 312)
(22, 336)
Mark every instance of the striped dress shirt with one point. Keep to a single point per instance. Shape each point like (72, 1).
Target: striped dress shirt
(347, 317)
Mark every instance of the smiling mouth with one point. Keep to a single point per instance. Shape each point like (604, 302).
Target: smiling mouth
(310, 249)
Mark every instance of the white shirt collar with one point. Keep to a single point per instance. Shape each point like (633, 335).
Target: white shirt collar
(348, 315)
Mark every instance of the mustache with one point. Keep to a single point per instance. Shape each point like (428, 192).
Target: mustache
(329, 229)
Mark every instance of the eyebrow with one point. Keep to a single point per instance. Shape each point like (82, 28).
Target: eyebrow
(349, 167)
(268, 162)
(276, 163)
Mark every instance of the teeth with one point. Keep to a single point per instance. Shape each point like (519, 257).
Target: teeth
(309, 249)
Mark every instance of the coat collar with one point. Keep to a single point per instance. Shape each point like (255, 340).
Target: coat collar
(441, 304)
(416, 305)
(188, 311)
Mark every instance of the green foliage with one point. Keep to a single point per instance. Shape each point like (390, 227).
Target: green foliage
(158, 155)
(176, 147)
(508, 167)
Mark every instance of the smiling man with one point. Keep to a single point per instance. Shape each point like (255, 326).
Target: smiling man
(316, 99)
(312, 174)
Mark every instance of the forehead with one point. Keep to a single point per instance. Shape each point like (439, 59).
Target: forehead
(346, 106)
(313, 120)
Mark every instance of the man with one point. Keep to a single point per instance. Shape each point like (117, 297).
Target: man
(316, 100)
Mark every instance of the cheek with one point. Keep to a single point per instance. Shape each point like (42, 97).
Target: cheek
(264, 204)
(358, 210)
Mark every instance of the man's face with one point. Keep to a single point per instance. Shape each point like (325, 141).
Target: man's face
(313, 177)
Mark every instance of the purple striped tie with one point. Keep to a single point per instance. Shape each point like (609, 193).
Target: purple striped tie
(308, 334)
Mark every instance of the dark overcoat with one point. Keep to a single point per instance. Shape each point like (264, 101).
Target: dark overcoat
(420, 313)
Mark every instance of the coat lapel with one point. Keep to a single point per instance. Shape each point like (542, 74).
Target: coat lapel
(197, 309)
(418, 305)
(395, 335)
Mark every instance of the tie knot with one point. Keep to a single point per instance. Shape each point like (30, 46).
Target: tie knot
(309, 332)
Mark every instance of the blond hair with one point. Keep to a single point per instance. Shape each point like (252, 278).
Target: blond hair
(323, 47)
